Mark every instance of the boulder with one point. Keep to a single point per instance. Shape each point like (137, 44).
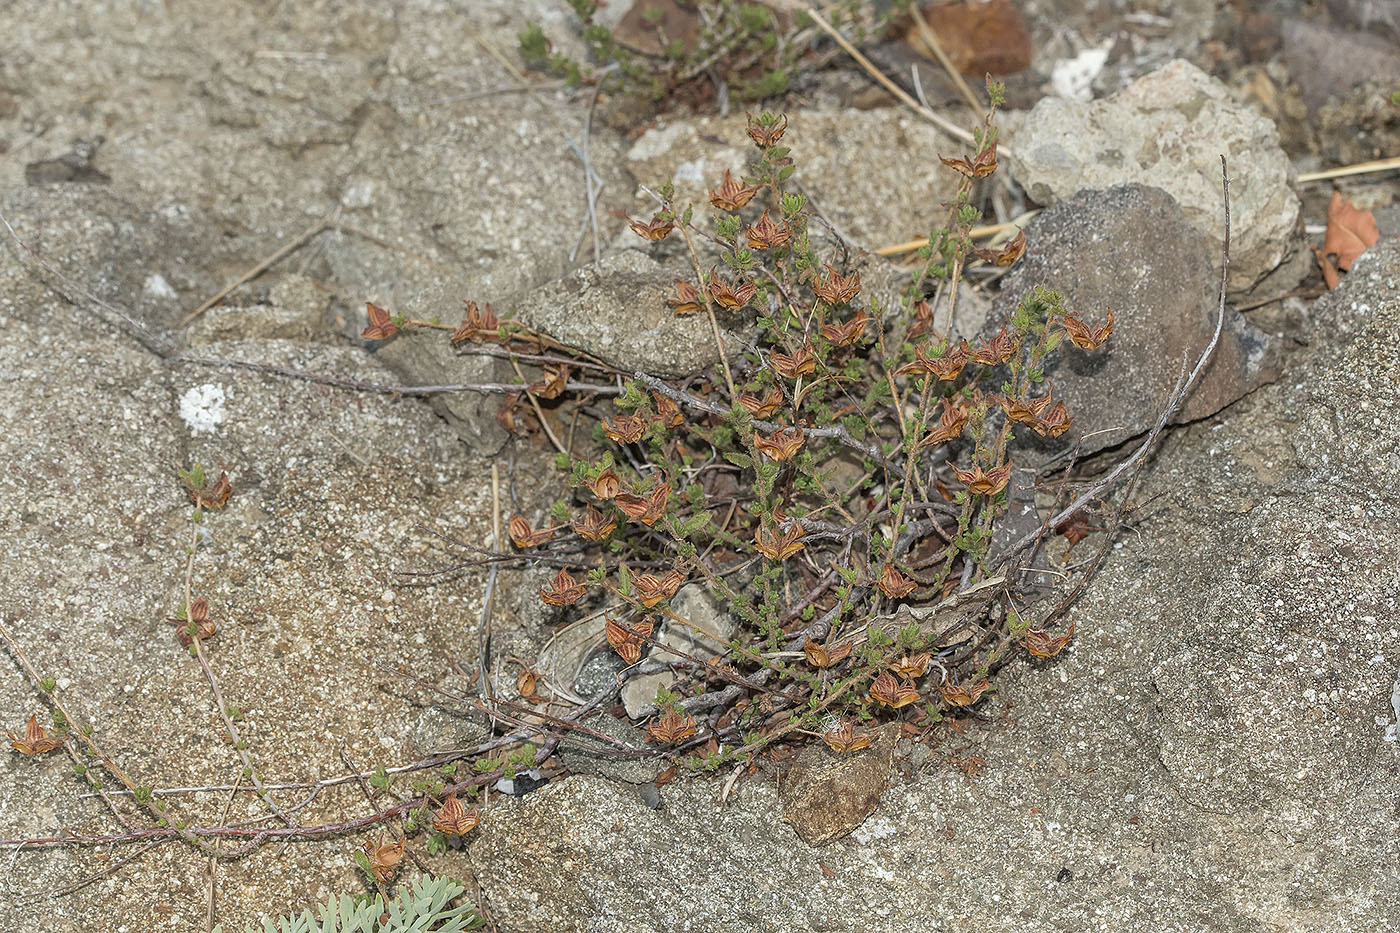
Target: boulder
(1169, 129)
(1131, 249)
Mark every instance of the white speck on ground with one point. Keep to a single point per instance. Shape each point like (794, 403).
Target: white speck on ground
(157, 287)
(1072, 78)
(202, 408)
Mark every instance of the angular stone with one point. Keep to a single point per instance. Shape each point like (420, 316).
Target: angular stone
(706, 637)
(617, 312)
(827, 796)
(1168, 129)
(427, 357)
(1131, 249)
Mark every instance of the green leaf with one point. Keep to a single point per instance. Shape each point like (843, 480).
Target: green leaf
(194, 476)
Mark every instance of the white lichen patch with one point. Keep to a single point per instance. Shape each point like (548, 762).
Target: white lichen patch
(157, 287)
(202, 408)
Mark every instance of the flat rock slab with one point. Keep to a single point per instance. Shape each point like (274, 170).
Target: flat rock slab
(876, 195)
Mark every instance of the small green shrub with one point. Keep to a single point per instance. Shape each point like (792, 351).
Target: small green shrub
(853, 461)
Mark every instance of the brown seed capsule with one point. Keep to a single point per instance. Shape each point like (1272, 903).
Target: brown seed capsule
(985, 482)
(563, 590)
(658, 228)
(687, 300)
(843, 738)
(1085, 337)
(672, 728)
(645, 509)
(381, 325)
(799, 363)
(36, 740)
(731, 195)
(891, 692)
(780, 445)
(454, 819)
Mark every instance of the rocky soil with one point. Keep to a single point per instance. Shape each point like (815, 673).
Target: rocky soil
(1215, 750)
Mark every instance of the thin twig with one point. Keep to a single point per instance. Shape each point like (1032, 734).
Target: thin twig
(75, 730)
(483, 388)
(86, 880)
(836, 432)
(976, 233)
(254, 837)
(591, 187)
(483, 643)
(539, 412)
(158, 344)
(946, 126)
(1359, 168)
(214, 863)
(394, 828)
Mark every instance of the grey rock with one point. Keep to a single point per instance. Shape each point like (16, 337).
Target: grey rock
(300, 109)
(1272, 700)
(1208, 753)
(599, 671)
(1360, 125)
(585, 754)
(427, 357)
(1328, 62)
(1131, 249)
(1168, 129)
(707, 639)
(451, 722)
(1350, 432)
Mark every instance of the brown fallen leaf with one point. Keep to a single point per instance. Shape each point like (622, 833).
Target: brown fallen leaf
(979, 37)
(1350, 231)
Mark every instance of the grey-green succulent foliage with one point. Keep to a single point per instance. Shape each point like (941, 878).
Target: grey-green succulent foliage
(423, 909)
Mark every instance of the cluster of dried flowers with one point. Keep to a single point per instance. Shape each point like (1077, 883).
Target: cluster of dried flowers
(734, 492)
